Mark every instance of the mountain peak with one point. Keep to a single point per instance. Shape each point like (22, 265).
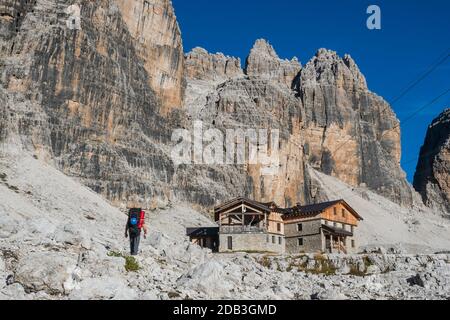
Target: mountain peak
(263, 61)
(263, 47)
(202, 65)
(328, 67)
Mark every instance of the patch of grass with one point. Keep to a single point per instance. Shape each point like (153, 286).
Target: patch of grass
(265, 262)
(320, 257)
(279, 267)
(367, 261)
(323, 266)
(115, 254)
(300, 266)
(354, 271)
(131, 265)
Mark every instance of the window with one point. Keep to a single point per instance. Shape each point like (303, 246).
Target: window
(335, 211)
(300, 227)
(334, 224)
(300, 242)
(343, 213)
(230, 243)
(268, 239)
(353, 243)
(278, 227)
(280, 240)
(273, 239)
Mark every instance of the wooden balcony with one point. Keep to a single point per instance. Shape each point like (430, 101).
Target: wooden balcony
(241, 229)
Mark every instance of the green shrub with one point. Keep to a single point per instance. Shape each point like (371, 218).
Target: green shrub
(367, 261)
(131, 265)
(115, 254)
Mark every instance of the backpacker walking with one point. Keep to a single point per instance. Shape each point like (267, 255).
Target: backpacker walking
(135, 223)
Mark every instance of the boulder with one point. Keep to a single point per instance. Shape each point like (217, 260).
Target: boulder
(10, 226)
(104, 288)
(73, 235)
(45, 271)
(212, 278)
(13, 292)
(330, 294)
(373, 269)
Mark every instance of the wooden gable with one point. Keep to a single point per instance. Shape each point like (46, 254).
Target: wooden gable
(341, 212)
(239, 206)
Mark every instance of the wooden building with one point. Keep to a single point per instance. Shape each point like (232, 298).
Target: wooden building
(251, 226)
(324, 227)
(247, 225)
(204, 237)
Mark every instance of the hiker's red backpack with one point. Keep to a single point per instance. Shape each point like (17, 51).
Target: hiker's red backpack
(136, 220)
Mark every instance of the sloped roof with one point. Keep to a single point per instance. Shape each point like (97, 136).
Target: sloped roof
(316, 209)
(298, 210)
(338, 231)
(242, 200)
(308, 209)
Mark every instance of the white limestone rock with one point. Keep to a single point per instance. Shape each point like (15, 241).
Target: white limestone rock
(104, 288)
(45, 271)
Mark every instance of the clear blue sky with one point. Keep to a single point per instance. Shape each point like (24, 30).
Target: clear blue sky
(414, 34)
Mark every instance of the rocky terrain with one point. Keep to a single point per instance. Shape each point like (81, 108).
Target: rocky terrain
(432, 178)
(86, 118)
(60, 240)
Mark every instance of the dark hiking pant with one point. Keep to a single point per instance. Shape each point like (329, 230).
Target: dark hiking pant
(134, 244)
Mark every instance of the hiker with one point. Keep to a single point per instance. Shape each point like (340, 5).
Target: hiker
(135, 223)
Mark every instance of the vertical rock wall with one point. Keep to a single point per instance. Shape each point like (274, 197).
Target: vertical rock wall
(432, 177)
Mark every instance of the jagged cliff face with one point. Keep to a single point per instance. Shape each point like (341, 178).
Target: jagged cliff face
(432, 178)
(94, 100)
(201, 65)
(101, 104)
(157, 40)
(328, 119)
(350, 132)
